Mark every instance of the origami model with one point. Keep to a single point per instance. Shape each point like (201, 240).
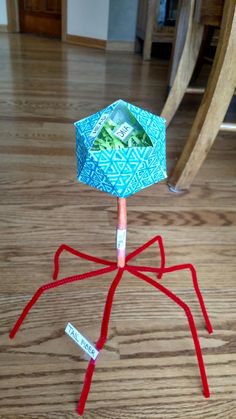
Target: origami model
(121, 150)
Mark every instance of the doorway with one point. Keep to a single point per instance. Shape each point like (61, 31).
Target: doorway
(41, 17)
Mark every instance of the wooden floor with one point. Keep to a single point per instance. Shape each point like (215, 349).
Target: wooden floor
(148, 368)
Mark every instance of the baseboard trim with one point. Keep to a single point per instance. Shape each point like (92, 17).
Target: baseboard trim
(86, 42)
(120, 46)
(100, 43)
(3, 28)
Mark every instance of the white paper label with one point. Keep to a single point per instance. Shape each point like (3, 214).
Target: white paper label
(81, 341)
(99, 125)
(124, 130)
(120, 239)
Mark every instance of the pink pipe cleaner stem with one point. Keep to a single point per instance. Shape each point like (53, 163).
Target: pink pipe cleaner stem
(121, 232)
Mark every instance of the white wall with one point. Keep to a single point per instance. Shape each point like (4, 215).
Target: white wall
(122, 20)
(88, 18)
(3, 12)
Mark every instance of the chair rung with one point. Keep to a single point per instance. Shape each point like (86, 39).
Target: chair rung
(228, 127)
(198, 90)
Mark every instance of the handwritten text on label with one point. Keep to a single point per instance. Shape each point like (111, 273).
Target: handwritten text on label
(81, 341)
(124, 130)
(99, 125)
(120, 238)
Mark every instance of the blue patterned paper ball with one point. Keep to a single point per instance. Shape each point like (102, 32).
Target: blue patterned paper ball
(121, 172)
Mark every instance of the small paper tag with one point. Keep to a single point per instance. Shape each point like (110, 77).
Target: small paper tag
(120, 239)
(81, 341)
(99, 125)
(124, 130)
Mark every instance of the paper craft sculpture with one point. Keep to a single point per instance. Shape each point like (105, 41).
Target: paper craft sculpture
(121, 150)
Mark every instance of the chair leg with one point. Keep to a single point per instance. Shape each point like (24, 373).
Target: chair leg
(153, 5)
(215, 102)
(181, 29)
(187, 61)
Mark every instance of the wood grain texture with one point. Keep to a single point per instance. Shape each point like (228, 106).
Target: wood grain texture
(147, 28)
(41, 18)
(209, 12)
(181, 29)
(152, 12)
(13, 15)
(190, 43)
(86, 42)
(216, 100)
(148, 368)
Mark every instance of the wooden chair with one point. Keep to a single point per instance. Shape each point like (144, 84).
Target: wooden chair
(153, 6)
(193, 15)
(148, 29)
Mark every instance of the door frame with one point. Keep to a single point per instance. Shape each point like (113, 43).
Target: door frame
(14, 21)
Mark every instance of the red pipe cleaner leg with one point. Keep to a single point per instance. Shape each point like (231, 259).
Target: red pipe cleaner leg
(195, 284)
(50, 285)
(145, 246)
(136, 271)
(101, 341)
(78, 254)
(190, 318)
(200, 298)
